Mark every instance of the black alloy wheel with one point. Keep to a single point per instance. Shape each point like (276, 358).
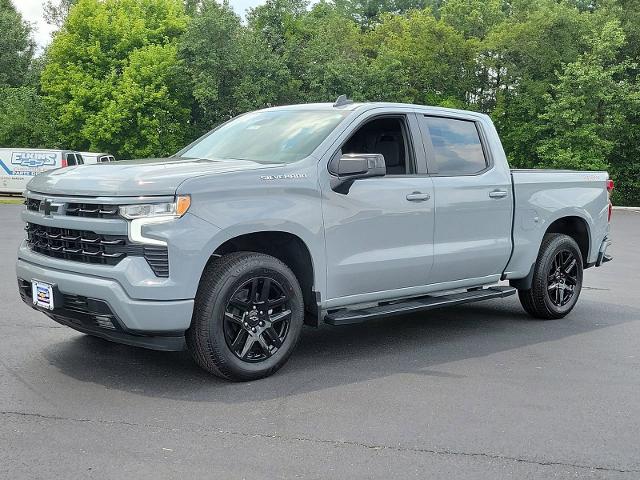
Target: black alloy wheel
(257, 319)
(562, 278)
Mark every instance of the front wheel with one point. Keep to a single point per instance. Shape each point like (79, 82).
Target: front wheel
(557, 278)
(247, 317)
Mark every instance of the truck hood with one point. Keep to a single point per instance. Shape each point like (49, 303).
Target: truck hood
(152, 176)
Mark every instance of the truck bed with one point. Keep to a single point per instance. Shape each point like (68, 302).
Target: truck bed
(541, 196)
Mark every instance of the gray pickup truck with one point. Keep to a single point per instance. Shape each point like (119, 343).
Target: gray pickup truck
(300, 214)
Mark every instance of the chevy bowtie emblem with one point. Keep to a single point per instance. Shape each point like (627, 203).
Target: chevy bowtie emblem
(47, 207)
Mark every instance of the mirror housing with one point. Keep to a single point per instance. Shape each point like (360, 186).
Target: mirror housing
(346, 169)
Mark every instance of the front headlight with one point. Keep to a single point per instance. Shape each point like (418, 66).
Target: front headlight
(166, 210)
(144, 214)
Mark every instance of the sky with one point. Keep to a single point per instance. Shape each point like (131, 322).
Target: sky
(31, 10)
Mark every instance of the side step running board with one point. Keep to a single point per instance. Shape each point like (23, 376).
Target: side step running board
(411, 305)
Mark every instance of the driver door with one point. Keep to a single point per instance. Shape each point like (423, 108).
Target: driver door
(379, 235)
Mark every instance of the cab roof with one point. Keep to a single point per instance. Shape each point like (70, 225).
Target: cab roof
(364, 106)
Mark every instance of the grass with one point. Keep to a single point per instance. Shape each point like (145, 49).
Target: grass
(11, 201)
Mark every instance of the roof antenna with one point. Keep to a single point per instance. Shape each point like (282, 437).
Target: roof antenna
(342, 100)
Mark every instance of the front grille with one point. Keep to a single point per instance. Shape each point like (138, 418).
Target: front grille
(32, 204)
(77, 245)
(75, 309)
(90, 247)
(93, 210)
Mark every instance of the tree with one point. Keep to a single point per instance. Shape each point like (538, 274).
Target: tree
(55, 12)
(275, 19)
(325, 54)
(419, 59)
(112, 77)
(473, 18)
(16, 46)
(24, 120)
(585, 107)
(523, 56)
(231, 69)
(368, 13)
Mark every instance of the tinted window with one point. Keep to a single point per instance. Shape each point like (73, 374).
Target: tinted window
(71, 159)
(385, 136)
(456, 145)
(80, 159)
(280, 136)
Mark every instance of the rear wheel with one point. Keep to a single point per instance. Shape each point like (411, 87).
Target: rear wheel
(247, 318)
(557, 278)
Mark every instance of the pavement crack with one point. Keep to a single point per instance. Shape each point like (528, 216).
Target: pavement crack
(337, 443)
(70, 419)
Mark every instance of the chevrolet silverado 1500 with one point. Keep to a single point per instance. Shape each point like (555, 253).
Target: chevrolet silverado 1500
(335, 213)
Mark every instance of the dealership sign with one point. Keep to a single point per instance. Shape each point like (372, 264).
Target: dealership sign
(33, 159)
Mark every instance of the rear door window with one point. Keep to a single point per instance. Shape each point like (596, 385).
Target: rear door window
(457, 148)
(71, 159)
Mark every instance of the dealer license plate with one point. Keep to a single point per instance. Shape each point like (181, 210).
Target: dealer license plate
(42, 294)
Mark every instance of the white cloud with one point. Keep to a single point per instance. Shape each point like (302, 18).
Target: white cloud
(32, 11)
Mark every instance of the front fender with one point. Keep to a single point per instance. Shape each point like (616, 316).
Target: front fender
(286, 200)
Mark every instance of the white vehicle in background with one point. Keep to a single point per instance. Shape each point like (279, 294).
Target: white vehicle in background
(92, 157)
(19, 165)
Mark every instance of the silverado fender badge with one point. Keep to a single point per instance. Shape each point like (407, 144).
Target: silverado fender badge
(290, 176)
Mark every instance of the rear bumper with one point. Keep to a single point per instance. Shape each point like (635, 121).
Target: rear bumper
(100, 306)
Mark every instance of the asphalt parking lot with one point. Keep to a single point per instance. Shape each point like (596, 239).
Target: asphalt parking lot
(476, 391)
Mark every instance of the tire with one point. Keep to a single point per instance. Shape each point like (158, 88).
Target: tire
(231, 335)
(557, 278)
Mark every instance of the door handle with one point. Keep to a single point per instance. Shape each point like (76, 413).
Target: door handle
(498, 194)
(418, 197)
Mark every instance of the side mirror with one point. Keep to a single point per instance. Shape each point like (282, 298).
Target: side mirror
(346, 169)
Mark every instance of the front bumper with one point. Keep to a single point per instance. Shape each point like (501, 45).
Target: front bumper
(90, 303)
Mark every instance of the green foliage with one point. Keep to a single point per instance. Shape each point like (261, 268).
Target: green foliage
(16, 46)
(56, 11)
(522, 58)
(111, 77)
(419, 59)
(368, 13)
(327, 56)
(584, 108)
(229, 69)
(24, 120)
(473, 18)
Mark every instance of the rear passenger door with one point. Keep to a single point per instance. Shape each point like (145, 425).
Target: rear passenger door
(473, 200)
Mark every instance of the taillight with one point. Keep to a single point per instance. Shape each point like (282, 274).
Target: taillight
(609, 190)
(64, 163)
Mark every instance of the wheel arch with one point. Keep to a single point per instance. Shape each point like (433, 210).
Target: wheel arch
(577, 228)
(287, 247)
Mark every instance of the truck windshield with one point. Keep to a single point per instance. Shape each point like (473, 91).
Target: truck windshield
(280, 136)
